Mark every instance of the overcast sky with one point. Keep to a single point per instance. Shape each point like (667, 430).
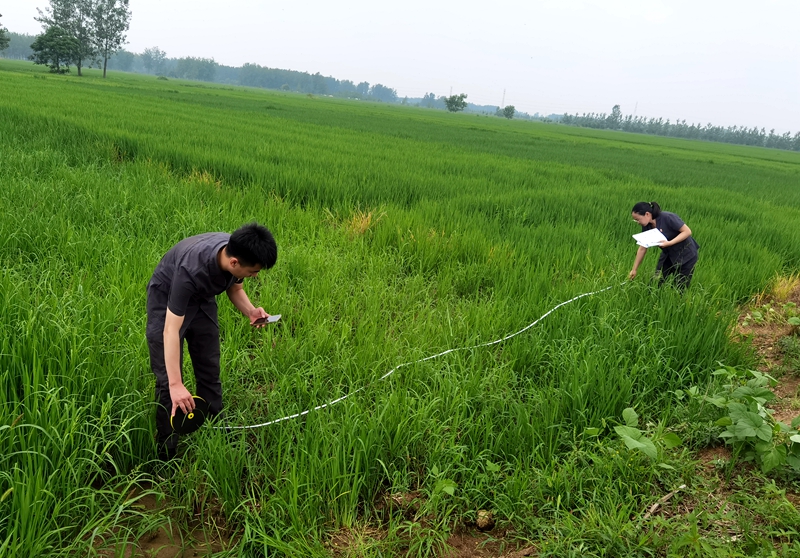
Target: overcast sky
(721, 61)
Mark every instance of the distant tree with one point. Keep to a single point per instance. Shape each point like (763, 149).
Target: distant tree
(362, 89)
(55, 48)
(455, 103)
(75, 18)
(428, 100)
(615, 118)
(285, 87)
(4, 38)
(20, 46)
(122, 61)
(153, 59)
(383, 93)
(111, 19)
(509, 111)
(318, 85)
(201, 69)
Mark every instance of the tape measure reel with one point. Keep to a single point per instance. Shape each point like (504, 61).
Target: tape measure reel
(185, 423)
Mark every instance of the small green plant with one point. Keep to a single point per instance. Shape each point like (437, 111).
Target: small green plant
(636, 439)
(749, 426)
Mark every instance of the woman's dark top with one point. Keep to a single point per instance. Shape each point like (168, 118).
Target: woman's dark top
(683, 252)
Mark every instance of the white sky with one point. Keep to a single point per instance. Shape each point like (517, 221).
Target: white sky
(721, 61)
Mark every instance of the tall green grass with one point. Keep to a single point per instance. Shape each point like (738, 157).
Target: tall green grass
(402, 233)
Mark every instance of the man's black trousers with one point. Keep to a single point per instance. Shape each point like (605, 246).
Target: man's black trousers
(200, 330)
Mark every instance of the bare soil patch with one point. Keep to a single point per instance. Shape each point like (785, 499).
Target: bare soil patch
(168, 540)
(766, 335)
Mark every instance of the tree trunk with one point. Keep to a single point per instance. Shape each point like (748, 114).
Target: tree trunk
(105, 61)
(78, 64)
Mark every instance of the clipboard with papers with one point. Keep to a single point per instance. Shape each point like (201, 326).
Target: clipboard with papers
(650, 238)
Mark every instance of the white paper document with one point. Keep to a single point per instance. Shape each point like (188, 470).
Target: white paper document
(650, 238)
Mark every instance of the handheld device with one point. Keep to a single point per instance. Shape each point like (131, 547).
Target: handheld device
(267, 320)
(185, 423)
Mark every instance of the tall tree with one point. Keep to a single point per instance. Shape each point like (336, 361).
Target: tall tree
(75, 17)
(110, 19)
(509, 111)
(4, 38)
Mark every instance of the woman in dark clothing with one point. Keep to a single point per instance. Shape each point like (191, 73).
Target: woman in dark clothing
(678, 253)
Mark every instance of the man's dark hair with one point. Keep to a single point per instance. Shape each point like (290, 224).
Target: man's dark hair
(253, 244)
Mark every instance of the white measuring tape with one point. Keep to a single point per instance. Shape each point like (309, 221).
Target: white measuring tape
(393, 370)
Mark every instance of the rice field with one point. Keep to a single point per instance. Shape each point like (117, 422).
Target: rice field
(402, 233)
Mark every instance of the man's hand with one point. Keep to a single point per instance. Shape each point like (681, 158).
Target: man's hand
(181, 398)
(256, 314)
(632, 274)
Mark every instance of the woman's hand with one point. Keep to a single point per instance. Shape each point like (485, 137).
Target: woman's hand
(632, 274)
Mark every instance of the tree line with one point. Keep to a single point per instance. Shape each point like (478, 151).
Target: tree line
(91, 32)
(155, 61)
(85, 33)
(680, 129)
(80, 33)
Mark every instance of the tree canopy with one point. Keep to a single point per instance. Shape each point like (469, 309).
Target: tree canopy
(55, 48)
(153, 59)
(455, 103)
(4, 38)
(98, 26)
(201, 69)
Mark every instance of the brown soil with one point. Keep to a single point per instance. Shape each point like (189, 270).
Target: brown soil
(167, 540)
(765, 339)
(480, 545)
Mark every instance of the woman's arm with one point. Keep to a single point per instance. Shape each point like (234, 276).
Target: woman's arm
(683, 233)
(640, 253)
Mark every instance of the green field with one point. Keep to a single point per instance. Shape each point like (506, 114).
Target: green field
(402, 232)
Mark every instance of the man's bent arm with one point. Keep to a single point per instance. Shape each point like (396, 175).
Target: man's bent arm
(241, 301)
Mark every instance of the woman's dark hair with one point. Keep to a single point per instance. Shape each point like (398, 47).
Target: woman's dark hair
(253, 244)
(643, 207)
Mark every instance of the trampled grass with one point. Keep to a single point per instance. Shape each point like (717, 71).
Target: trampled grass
(402, 233)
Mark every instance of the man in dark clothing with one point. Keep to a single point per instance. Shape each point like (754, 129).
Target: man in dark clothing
(181, 304)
